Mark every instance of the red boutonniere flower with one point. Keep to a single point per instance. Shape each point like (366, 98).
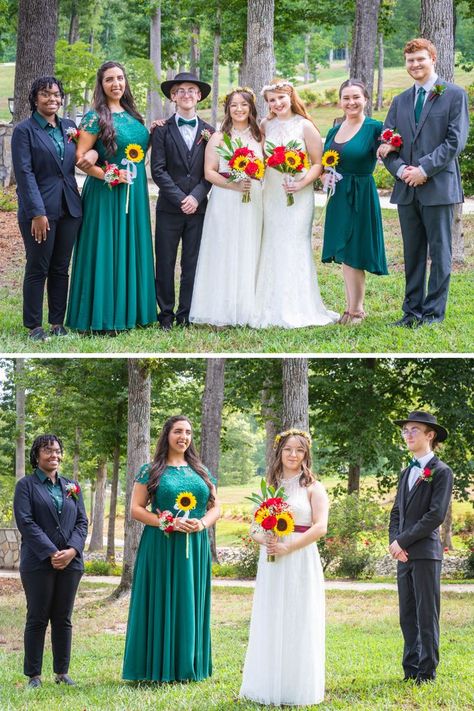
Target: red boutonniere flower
(391, 137)
(426, 475)
(73, 489)
(437, 90)
(72, 134)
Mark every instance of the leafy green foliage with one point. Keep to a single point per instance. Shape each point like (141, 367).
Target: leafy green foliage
(248, 561)
(466, 162)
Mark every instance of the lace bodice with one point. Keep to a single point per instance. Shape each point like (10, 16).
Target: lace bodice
(281, 132)
(174, 481)
(127, 129)
(298, 501)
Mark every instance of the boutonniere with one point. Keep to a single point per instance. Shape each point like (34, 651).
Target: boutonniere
(426, 475)
(437, 90)
(73, 489)
(72, 134)
(393, 138)
(205, 135)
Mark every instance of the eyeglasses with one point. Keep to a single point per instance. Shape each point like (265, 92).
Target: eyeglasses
(183, 92)
(50, 94)
(406, 431)
(49, 450)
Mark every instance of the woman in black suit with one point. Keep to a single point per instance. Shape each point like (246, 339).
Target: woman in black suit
(49, 205)
(51, 518)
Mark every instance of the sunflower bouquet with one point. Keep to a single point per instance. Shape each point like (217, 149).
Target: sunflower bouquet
(289, 159)
(185, 502)
(273, 514)
(243, 162)
(133, 154)
(329, 161)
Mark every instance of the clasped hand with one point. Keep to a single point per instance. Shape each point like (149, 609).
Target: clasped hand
(398, 552)
(187, 525)
(413, 176)
(275, 546)
(61, 559)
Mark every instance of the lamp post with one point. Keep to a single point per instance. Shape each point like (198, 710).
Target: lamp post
(11, 106)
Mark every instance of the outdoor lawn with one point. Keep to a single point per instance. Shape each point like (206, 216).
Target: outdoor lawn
(363, 668)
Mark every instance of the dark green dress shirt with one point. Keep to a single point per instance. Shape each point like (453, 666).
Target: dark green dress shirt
(54, 490)
(54, 132)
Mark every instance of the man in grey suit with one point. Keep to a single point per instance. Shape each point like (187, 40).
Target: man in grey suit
(433, 120)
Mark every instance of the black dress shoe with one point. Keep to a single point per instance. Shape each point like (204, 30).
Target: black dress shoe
(408, 321)
(58, 331)
(430, 320)
(34, 682)
(423, 680)
(166, 325)
(409, 677)
(37, 334)
(64, 679)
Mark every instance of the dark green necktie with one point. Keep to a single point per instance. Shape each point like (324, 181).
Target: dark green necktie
(186, 122)
(414, 463)
(420, 101)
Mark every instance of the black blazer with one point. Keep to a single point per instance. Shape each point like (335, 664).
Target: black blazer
(41, 177)
(417, 514)
(176, 170)
(43, 531)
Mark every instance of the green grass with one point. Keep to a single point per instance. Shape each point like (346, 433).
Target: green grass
(363, 649)
(383, 303)
(7, 79)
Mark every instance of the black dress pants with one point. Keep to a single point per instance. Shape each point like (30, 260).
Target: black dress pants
(170, 229)
(419, 598)
(48, 260)
(50, 596)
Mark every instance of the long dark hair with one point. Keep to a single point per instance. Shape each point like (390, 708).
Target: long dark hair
(191, 456)
(40, 442)
(275, 471)
(250, 99)
(99, 102)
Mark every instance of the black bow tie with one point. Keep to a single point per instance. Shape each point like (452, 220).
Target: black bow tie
(186, 122)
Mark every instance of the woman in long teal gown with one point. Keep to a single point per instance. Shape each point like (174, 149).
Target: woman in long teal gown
(112, 283)
(353, 231)
(168, 631)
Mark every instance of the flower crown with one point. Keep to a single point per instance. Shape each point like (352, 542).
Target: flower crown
(275, 87)
(286, 433)
(239, 90)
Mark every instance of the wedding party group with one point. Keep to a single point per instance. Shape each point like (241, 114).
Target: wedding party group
(246, 253)
(168, 635)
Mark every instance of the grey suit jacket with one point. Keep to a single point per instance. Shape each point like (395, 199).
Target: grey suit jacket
(435, 144)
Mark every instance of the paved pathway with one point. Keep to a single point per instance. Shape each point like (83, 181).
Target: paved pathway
(329, 584)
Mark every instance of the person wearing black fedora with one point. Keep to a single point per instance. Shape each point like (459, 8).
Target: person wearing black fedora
(421, 502)
(177, 167)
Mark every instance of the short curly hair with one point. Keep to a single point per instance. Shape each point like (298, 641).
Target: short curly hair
(40, 84)
(40, 442)
(418, 45)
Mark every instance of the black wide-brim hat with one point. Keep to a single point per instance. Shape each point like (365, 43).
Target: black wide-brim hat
(182, 77)
(425, 418)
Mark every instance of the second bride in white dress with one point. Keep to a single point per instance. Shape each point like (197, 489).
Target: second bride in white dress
(285, 656)
(287, 286)
(224, 287)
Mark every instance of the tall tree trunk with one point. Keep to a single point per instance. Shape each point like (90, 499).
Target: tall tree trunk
(215, 68)
(97, 537)
(211, 421)
(138, 452)
(307, 71)
(437, 23)
(364, 39)
(110, 553)
(36, 40)
(77, 450)
(353, 480)
(20, 397)
(295, 393)
(447, 528)
(156, 105)
(195, 50)
(271, 413)
(260, 58)
(379, 105)
(73, 36)
(91, 506)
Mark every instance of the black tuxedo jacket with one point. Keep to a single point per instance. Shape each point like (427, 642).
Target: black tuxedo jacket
(43, 531)
(176, 170)
(417, 514)
(42, 179)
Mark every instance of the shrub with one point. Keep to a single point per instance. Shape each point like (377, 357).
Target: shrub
(466, 163)
(309, 97)
(356, 561)
(247, 564)
(331, 96)
(383, 179)
(464, 523)
(102, 567)
(7, 486)
(224, 570)
(8, 202)
(469, 570)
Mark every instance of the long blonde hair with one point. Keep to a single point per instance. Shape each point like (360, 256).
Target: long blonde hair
(296, 103)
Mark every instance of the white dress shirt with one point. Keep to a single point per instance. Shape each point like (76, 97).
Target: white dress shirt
(188, 132)
(416, 472)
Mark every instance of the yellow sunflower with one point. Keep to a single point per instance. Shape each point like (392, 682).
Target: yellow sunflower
(185, 501)
(261, 169)
(134, 152)
(262, 513)
(285, 524)
(305, 163)
(292, 159)
(330, 159)
(240, 163)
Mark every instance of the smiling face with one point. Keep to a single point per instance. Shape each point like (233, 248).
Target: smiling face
(48, 101)
(420, 65)
(113, 83)
(239, 108)
(353, 101)
(293, 454)
(49, 458)
(186, 97)
(279, 103)
(418, 438)
(179, 438)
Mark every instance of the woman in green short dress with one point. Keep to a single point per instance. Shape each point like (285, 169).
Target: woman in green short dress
(353, 233)
(168, 632)
(112, 283)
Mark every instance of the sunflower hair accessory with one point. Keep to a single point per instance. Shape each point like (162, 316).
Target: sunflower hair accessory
(275, 87)
(287, 433)
(239, 90)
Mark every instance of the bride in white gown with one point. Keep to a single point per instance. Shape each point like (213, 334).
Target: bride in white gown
(287, 286)
(224, 286)
(285, 656)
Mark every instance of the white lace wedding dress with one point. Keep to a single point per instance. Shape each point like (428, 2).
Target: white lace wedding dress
(285, 656)
(224, 286)
(287, 286)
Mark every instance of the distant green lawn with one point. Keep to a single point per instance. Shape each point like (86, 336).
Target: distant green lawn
(363, 653)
